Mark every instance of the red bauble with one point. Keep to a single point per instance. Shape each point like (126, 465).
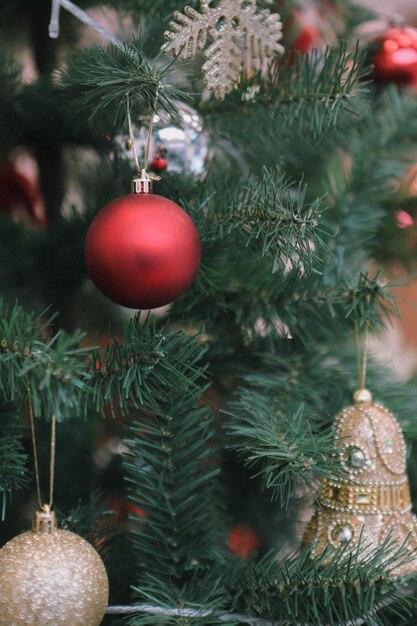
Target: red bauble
(243, 540)
(158, 164)
(20, 196)
(394, 56)
(142, 251)
(302, 30)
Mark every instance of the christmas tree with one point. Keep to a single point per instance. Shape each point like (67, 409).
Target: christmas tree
(191, 444)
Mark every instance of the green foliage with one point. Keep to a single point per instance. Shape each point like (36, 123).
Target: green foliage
(170, 466)
(308, 91)
(52, 366)
(9, 77)
(147, 368)
(86, 520)
(269, 215)
(155, 9)
(99, 526)
(9, 72)
(283, 404)
(279, 420)
(170, 475)
(298, 198)
(105, 80)
(334, 591)
(282, 448)
(13, 459)
(202, 596)
(372, 302)
(365, 174)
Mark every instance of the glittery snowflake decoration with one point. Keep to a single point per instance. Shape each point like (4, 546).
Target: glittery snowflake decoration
(238, 37)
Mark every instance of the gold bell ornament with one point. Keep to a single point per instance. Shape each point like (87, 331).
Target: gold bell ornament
(368, 501)
(48, 576)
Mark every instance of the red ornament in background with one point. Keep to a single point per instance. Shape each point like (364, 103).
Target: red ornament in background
(302, 32)
(403, 219)
(159, 162)
(123, 508)
(142, 250)
(243, 540)
(394, 57)
(20, 196)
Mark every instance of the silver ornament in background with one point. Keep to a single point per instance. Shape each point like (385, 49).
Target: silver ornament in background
(184, 147)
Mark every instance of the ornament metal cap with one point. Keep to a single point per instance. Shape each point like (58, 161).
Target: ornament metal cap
(143, 184)
(362, 396)
(44, 521)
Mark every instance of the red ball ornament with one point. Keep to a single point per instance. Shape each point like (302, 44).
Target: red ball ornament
(20, 196)
(394, 56)
(158, 164)
(302, 30)
(243, 540)
(142, 251)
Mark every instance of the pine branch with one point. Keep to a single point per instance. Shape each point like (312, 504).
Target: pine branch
(92, 521)
(10, 75)
(147, 368)
(157, 377)
(372, 301)
(280, 417)
(157, 9)
(308, 91)
(243, 303)
(275, 424)
(202, 599)
(53, 366)
(105, 79)
(282, 448)
(13, 471)
(361, 178)
(270, 216)
(170, 475)
(298, 590)
(292, 589)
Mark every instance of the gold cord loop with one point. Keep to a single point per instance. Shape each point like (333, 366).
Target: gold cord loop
(149, 138)
(362, 345)
(42, 506)
(150, 129)
(132, 137)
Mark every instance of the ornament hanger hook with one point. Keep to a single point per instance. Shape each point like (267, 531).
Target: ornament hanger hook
(142, 184)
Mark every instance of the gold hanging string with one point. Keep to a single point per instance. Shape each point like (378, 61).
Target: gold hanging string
(364, 356)
(35, 453)
(361, 352)
(132, 137)
(358, 352)
(150, 129)
(52, 461)
(149, 137)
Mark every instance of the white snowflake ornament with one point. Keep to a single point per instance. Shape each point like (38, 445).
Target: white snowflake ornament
(239, 37)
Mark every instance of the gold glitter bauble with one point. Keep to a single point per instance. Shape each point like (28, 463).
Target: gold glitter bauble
(51, 577)
(370, 499)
